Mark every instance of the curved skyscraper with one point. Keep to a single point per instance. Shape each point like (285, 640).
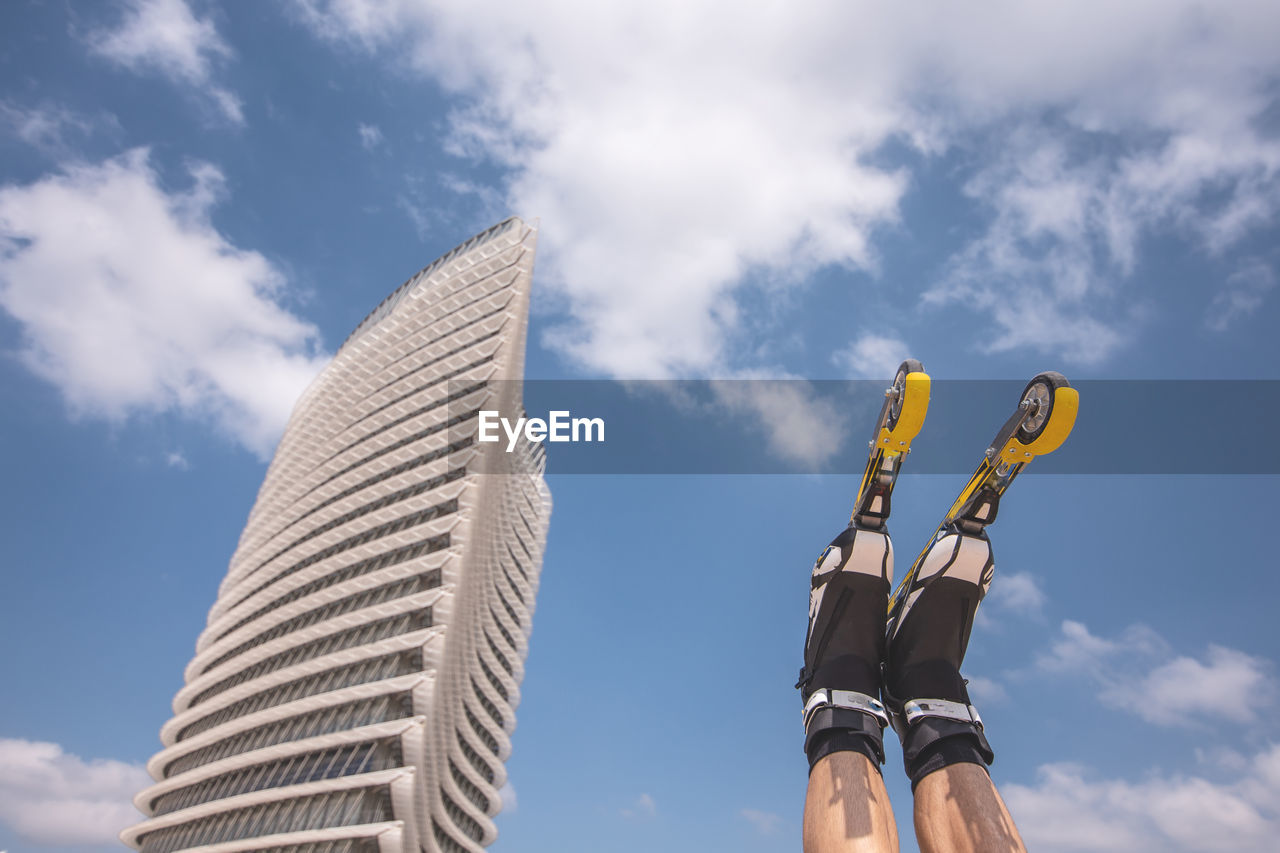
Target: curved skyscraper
(356, 684)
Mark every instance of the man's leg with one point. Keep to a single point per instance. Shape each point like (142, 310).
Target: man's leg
(945, 749)
(846, 809)
(846, 806)
(959, 810)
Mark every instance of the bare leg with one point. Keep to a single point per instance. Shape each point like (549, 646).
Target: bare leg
(959, 810)
(846, 809)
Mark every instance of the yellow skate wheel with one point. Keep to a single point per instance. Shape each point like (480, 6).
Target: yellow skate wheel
(1056, 404)
(907, 412)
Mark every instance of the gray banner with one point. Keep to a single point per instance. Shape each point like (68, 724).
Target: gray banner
(799, 426)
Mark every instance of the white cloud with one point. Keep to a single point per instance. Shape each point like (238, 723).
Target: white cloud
(1243, 293)
(130, 301)
(175, 459)
(1067, 811)
(507, 794)
(416, 212)
(672, 146)
(166, 36)
(489, 198)
(1139, 673)
(644, 808)
(1067, 227)
(48, 127)
(370, 136)
(1036, 270)
(766, 823)
(799, 426)
(986, 691)
(48, 796)
(661, 172)
(1017, 591)
(1079, 650)
(872, 356)
(1229, 685)
(1017, 594)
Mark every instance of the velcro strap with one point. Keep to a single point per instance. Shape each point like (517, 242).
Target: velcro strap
(944, 708)
(928, 730)
(847, 700)
(845, 710)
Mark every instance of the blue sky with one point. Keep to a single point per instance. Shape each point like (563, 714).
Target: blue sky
(198, 202)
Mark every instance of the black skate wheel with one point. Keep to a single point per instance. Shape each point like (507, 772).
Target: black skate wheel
(1040, 390)
(911, 365)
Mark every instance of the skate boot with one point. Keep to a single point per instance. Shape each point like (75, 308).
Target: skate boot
(925, 695)
(849, 591)
(932, 610)
(840, 680)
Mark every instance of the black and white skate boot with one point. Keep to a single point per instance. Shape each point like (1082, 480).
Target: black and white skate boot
(849, 591)
(924, 692)
(932, 610)
(840, 680)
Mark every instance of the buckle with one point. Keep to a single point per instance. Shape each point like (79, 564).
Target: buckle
(847, 700)
(944, 708)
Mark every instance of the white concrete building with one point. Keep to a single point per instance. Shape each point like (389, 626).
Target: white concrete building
(355, 687)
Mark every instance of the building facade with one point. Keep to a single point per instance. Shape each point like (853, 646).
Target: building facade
(355, 687)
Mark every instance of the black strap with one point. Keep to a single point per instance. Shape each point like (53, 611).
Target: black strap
(928, 730)
(855, 722)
